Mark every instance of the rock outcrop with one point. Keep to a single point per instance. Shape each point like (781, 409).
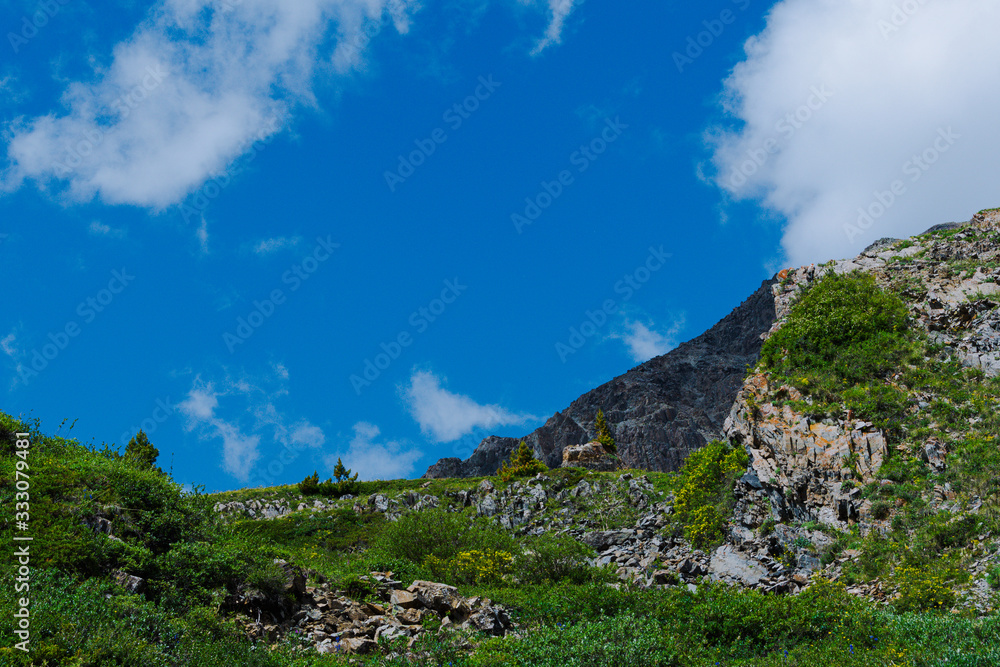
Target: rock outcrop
(333, 622)
(800, 470)
(591, 455)
(659, 411)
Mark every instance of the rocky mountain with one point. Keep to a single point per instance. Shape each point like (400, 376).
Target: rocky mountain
(659, 411)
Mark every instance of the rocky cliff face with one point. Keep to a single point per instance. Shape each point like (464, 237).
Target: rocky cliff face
(659, 411)
(802, 470)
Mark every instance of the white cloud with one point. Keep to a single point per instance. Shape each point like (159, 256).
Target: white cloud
(186, 94)
(241, 443)
(374, 460)
(884, 86)
(270, 246)
(307, 434)
(98, 228)
(239, 451)
(200, 403)
(192, 88)
(446, 416)
(559, 10)
(645, 343)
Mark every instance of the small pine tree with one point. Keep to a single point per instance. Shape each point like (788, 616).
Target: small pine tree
(141, 452)
(346, 483)
(522, 464)
(604, 433)
(310, 485)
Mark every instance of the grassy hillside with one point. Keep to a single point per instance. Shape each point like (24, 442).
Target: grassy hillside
(566, 612)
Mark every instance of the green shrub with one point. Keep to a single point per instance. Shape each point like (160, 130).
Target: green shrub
(880, 510)
(141, 452)
(703, 500)
(551, 558)
(839, 343)
(471, 567)
(435, 532)
(993, 577)
(619, 640)
(924, 589)
(838, 313)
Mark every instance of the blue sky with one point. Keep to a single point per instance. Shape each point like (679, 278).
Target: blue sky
(275, 235)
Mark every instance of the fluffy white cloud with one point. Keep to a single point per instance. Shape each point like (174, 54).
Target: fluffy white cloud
(307, 434)
(376, 460)
(200, 403)
(188, 92)
(193, 88)
(644, 343)
(240, 452)
(838, 101)
(447, 416)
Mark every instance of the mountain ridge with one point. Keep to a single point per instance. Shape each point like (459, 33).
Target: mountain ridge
(659, 411)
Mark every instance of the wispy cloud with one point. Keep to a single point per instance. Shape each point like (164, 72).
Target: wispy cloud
(10, 348)
(446, 416)
(266, 247)
(98, 228)
(239, 451)
(202, 235)
(644, 343)
(371, 459)
(7, 344)
(558, 10)
(241, 436)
